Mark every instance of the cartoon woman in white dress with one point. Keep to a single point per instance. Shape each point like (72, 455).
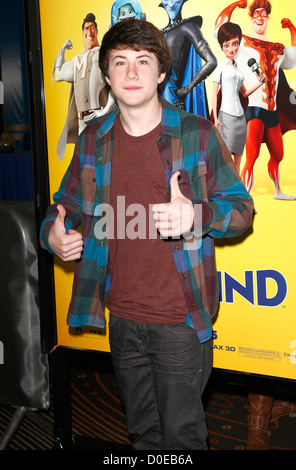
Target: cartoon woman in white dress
(230, 118)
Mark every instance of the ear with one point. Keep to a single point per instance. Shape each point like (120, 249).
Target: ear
(108, 80)
(161, 77)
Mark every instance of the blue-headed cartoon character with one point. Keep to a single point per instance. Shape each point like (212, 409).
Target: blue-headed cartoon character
(184, 85)
(121, 9)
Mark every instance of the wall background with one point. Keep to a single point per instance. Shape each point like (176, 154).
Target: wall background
(15, 114)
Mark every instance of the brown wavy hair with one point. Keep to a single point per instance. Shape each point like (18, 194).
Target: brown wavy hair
(260, 4)
(137, 35)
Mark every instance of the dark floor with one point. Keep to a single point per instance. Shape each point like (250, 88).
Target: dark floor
(98, 421)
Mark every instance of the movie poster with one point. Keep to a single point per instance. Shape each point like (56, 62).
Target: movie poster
(254, 330)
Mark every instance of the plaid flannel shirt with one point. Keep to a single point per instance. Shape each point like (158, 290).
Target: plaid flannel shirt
(189, 144)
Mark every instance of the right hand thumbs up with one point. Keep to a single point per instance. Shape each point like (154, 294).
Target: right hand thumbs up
(68, 246)
(60, 220)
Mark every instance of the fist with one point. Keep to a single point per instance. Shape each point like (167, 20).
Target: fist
(68, 246)
(242, 4)
(174, 218)
(286, 23)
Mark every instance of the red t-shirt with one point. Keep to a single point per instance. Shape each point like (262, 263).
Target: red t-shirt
(145, 285)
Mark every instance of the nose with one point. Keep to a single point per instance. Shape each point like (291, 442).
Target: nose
(131, 73)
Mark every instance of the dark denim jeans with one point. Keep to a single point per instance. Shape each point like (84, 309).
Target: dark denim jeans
(161, 373)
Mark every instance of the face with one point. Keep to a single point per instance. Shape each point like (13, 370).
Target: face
(90, 36)
(134, 77)
(260, 21)
(230, 48)
(172, 7)
(126, 11)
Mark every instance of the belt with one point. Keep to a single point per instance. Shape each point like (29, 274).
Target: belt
(81, 114)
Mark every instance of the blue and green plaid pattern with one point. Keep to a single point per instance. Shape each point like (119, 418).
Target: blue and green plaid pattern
(188, 143)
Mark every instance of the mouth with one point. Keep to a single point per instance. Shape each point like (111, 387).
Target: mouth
(132, 88)
(259, 22)
(132, 15)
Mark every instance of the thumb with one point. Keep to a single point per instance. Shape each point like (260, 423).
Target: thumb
(175, 190)
(60, 220)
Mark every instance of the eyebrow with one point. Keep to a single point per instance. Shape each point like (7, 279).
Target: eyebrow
(119, 56)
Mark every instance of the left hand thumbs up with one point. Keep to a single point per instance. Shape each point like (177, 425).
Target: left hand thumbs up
(174, 218)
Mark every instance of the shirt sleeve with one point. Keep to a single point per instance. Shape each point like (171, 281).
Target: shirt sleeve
(289, 60)
(69, 195)
(217, 74)
(227, 211)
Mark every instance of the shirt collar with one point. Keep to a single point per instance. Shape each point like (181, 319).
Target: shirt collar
(170, 121)
(227, 62)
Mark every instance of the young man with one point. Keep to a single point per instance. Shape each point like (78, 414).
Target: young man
(161, 285)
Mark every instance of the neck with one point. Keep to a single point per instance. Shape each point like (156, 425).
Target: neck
(139, 121)
(90, 48)
(263, 37)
